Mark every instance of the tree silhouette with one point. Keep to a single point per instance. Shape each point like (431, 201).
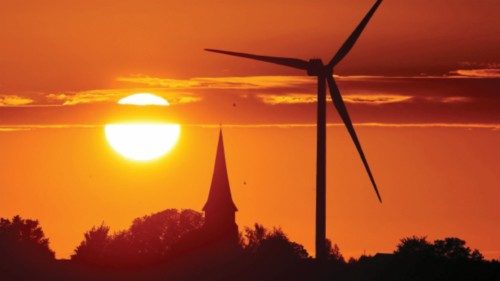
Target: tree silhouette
(476, 255)
(254, 237)
(273, 244)
(415, 246)
(149, 239)
(450, 248)
(455, 249)
(171, 245)
(272, 254)
(333, 252)
(24, 250)
(93, 248)
(23, 239)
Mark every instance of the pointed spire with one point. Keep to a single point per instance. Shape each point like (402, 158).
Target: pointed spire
(219, 198)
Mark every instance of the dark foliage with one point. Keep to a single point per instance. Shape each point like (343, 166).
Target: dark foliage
(149, 240)
(416, 258)
(24, 250)
(334, 254)
(272, 255)
(451, 249)
(272, 245)
(170, 245)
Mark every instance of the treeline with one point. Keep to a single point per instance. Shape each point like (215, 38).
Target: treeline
(167, 246)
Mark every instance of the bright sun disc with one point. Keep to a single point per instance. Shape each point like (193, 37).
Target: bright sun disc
(142, 141)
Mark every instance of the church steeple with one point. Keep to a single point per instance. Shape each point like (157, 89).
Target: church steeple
(219, 197)
(220, 228)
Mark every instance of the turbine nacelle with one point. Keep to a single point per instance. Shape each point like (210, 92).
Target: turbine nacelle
(315, 67)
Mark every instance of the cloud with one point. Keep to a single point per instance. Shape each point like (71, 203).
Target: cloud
(476, 73)
(456, 99)
(113, 95)
(468, 126)
(14, 100)
(451, 99)
(285, 82)
(492, 126)
(16, 128)
(374, 99)
(159, 82)
(275, 89)
(85, 97)
(233, 82)
(366, 99)
(287, 99)
(184, 99)
(470, 64)
(9, 129)
(258, 82)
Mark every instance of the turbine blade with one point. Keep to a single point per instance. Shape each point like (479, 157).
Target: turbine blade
(342, 110)
(291, 62)
(349, 43)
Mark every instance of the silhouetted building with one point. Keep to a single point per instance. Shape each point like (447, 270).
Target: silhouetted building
(220, 224)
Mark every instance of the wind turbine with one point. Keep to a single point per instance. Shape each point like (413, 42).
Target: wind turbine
(324, 73)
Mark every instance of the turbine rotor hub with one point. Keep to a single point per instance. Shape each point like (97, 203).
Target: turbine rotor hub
(316, 67)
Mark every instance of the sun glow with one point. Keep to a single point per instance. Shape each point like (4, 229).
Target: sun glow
(142, 141)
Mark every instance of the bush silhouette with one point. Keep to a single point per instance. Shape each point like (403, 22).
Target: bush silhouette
(149, 239)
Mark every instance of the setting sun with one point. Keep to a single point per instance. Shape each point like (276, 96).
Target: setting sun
(142, 141)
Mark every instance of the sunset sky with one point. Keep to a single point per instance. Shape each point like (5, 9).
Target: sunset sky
(422, 84)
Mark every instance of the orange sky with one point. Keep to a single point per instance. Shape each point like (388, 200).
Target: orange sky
(422, 82)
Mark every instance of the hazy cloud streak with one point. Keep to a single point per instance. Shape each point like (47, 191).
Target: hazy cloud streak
(293, 98)
(14, 100)
(113, 95)
(477, 73)
(494, 126)
(243, 82)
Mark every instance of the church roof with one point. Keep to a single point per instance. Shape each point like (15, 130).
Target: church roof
(219, 197)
